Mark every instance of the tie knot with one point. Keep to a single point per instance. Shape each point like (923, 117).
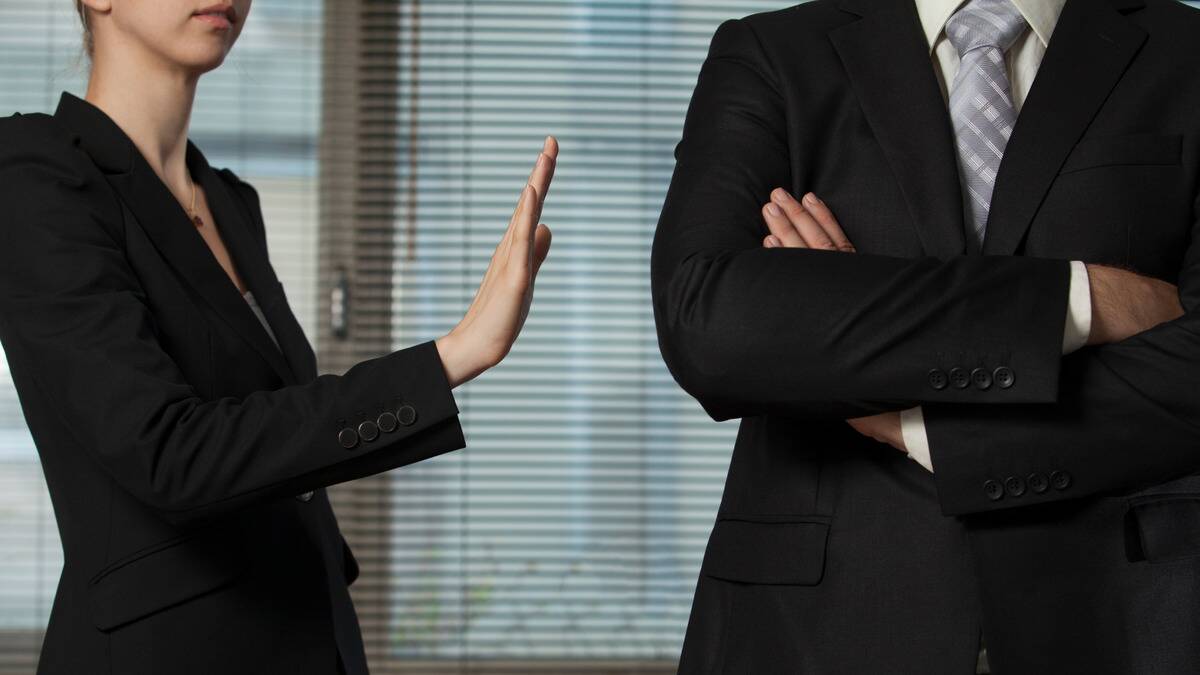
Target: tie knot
(985, 23)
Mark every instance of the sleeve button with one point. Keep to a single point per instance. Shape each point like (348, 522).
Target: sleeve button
(981, 378)
(1061, 480)
(406, 414)
(387, 421)
(993, 490)
(305, 497)
(348, 438)
(1004, 377)
(1038, 482)
(368, 431)
(1014, 485)
(937, 379)
(959, 378)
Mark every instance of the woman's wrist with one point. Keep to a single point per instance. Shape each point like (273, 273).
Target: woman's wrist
(451, 356)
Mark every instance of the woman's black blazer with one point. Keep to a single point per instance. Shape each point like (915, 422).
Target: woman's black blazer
(184, 452)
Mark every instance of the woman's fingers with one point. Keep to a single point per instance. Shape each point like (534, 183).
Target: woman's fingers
(520, 251)
(541, 247)
(824, 217)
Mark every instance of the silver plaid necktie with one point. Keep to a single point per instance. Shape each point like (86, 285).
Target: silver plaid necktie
(981, 105)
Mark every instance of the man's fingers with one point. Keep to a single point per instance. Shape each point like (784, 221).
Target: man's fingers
(781, 227)
(824, 217)
(813, 234)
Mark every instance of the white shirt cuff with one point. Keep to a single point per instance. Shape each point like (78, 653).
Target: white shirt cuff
(1079, 309)
(912, 430)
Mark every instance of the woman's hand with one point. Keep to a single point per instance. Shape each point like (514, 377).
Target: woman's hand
(808, 223)
(491, 325)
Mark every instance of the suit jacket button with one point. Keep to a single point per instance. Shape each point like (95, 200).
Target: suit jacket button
(406, 414)
(1061, 480)
(937, 379)
(1015, 486)
(1038, 482)
(981, 378)
(387, 421)
(348, 438)
(959, 378)
(1004, 377)
(993, 490)
(306, 497)
(368, 431)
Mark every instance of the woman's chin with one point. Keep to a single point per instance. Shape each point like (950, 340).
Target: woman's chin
(202, 59)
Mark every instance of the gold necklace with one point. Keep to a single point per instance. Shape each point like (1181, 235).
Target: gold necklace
(199, 222)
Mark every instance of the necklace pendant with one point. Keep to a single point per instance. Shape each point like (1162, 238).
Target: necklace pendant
(198, 221)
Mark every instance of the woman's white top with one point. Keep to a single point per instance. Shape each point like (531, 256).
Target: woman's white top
(249, 297)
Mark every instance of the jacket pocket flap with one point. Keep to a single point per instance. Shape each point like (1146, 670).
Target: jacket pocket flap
(1135, 149)
(1168, 528)
(774, 551)
(162, 577)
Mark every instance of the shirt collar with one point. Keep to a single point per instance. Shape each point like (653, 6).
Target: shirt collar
(1041, 15)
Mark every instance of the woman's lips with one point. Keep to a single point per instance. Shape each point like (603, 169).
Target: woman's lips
(219, 15)
(214, 19)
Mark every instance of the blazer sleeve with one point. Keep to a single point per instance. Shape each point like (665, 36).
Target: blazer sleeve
(75, 327)
(748, 330)
(1127, 417)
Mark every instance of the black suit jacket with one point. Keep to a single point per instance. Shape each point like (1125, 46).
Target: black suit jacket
(832, 553)
(178, 441)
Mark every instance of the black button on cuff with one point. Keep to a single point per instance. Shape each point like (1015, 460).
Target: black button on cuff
(406, 415)
(1004, 377)
(1061, 480)
(306, 497)
(937, 379)
(1038, 482)
(981, 378)
(993, 490)
(959, 378)
(387, 421)
(368, 431)
(348, 438)
(1014, 485)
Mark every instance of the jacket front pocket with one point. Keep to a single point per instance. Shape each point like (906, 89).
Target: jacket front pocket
(787, 550)
(164, 576)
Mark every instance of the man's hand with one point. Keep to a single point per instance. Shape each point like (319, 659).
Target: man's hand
(808, 223)
(1125, 303)
(884, 427)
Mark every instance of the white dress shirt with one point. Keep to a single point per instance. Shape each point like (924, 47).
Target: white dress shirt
(1023, 59)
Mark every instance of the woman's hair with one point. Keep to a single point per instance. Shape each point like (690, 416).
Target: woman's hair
(88, 43)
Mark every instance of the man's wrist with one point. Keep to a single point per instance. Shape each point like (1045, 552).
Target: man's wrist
(916, 440)
(1078, 327)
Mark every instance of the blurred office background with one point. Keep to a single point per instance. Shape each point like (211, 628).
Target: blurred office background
(388, 141)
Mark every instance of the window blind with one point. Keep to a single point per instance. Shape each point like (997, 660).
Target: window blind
(568, 535)
(259, 115)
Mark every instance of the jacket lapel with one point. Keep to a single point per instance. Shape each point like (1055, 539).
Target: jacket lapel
(168, 226)
(253, 264)
(887, 60)
(1092, 46)
(250, 260)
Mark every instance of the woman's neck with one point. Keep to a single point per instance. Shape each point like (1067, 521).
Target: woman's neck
(153, 106)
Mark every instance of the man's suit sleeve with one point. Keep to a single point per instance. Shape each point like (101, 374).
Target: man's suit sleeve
(1127, 416)
(76, 329)
(748, 330)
